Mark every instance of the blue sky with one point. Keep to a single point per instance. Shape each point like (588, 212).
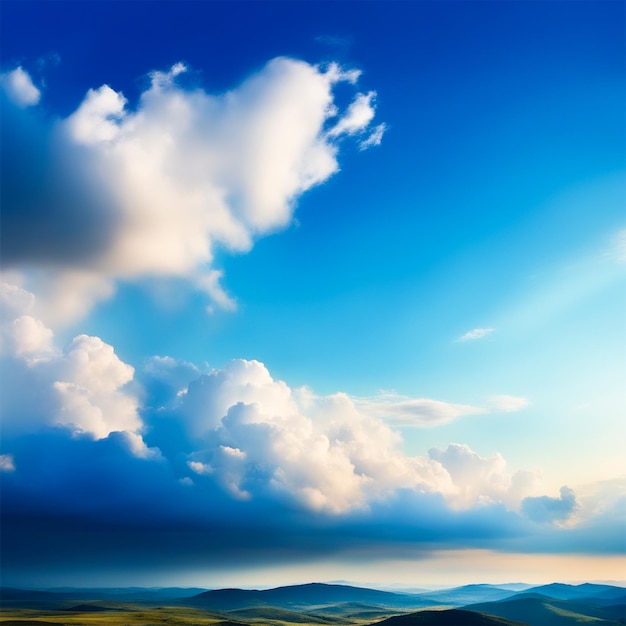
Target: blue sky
(313, 286)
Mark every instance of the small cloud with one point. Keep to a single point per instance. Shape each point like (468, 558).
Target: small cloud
(359, 114)
(200, 468)
(476, 333)
(508, 404)
(6, 463)
(19, 87)
(545, 509)
(375, 137)
(408, 411)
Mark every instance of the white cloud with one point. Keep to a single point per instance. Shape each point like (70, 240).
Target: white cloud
(360, 113)
(82, 388)
(7, 463)
(407, 411)
(90, 384)
(19, 87)
(98, 118)
(154, 190)
(255, 435)
(508, 404)
(483, 480)
(476, 333)
(375, 137)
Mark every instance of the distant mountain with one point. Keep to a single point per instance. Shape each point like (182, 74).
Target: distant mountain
(303, 597)
(537, 610)
(10, 597)
(129, 594)
(468, 593)
(450, 617)
(561, 591)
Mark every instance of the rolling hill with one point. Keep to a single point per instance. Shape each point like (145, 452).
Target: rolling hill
(303, 597)
(540, 610)
(450, 617)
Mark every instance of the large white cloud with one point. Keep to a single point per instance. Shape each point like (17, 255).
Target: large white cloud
(116, 192)
(255, 435)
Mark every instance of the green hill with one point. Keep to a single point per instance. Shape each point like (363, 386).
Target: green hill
(543, 611)
(450, 617)
(270, 613)
(303, 596)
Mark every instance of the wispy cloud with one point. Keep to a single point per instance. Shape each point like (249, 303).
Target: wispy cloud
(619, 245)
(407, 411)
(6, 463)
(508, 404)
(476, 333)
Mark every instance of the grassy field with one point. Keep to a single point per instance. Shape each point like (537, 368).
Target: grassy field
(172, 616)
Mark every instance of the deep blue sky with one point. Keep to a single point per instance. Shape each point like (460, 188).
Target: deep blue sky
(462, 284)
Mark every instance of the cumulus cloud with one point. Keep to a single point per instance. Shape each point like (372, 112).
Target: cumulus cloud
(482, 480)
(120, 192)
(82, 388)
(544, 509)
(258, 437)
(19, 87)
(476, 333)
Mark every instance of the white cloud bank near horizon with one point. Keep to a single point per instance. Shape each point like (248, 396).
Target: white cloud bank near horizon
(238, 426)
(116, 193)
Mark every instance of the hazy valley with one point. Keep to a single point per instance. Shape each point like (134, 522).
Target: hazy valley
(316, 603)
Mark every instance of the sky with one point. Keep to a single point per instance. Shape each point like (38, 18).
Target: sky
(298, 291)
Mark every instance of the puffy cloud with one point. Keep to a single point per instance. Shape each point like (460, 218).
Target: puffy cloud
(257, 437)
(476, 333)
(115, 192)
(83, 388)
(482, 480)
(545, 509)
(90, 385)
(19, 87)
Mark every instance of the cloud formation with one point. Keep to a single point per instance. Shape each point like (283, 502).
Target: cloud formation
(83, 388)
(476, 333)
(544, 509)
(508, 404)
(120, 192)
(407, 411)
(258, 437)
(19, 87)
